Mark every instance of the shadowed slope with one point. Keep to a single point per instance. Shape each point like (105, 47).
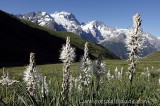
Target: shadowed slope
(20, 37)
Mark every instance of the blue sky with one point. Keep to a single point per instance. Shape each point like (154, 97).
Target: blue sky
(117, 13)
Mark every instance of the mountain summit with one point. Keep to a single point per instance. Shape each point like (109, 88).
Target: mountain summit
(20, 37)
(95, 31)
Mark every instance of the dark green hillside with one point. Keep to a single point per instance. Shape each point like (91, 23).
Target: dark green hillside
(19, 37)
(155, 56)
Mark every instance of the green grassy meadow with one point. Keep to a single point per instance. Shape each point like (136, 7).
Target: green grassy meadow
(55, 70)
(145, 91)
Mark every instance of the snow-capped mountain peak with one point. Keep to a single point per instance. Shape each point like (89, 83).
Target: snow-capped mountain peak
(97, 29)
(68, 21)
(43, 13)
(96, 23)
(109, 37)
(65, 16)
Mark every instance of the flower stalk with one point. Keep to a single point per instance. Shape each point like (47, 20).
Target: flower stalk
(31, 76)
(6, 80)
(67, 56)
(135, 45)
(99, 71)
(85, 69)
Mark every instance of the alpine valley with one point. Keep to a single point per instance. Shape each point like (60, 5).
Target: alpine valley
(109, 37)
